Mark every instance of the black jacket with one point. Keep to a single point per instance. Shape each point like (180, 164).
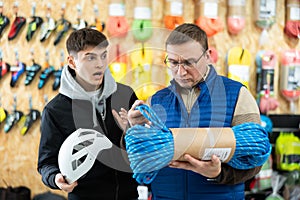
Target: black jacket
(60, 118)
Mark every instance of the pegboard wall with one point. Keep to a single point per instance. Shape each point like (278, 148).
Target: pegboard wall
(18, 153)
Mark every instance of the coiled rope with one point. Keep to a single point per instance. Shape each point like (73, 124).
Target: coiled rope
(292, 29)
(151, 148)
(235, 24)
(211, 26)
(142, 29)
(292, 24)
(238, 63)
(236, 16)
(117, 25)
(172, 22)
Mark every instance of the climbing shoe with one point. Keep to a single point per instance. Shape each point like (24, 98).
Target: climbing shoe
(18, 23)
(4, 21)
(33, 26)
(62, 27)
(47, 28)
(4, 68)
(57, 75)
(99, 25)
(17, 71)
(31, 117)
(31, 72)
(11, 120)
(44, 77)
(3, 114)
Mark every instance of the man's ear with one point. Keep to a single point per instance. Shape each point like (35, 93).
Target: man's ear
(71, 62)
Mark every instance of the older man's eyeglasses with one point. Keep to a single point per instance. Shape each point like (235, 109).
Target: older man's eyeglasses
(187, 64)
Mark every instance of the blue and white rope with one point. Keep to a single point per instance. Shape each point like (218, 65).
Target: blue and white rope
(150, 148)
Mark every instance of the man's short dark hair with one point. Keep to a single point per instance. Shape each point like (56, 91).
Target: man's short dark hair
(87, 37)
(187, 32)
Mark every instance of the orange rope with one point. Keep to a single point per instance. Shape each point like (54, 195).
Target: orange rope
(172, 22)
(209, 25)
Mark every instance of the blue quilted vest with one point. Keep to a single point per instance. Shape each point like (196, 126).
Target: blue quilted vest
(213, 108)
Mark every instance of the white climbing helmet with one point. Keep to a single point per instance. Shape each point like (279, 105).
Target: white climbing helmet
(79, 151)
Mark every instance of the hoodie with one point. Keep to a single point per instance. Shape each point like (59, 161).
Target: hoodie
(71, 88)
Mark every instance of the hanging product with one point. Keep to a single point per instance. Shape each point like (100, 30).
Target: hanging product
(290, 77)
(4, 66)
(79, 152)
(292, 22)
(207, 16)
(142, 25)
(141, 62)
(35, 23)
(98, 24)
(238, 62)
(265, 17)
(16, 70)
(62, 26)
(31, 71)
(117, 24)
(46, 73)
(118, 66)
(4, 21)
(81, 23)
(57, 73)
(30, 118)
(12, 118)
(17, 25)
(287, 150)
(173, 12)
(48, 26)
(3, 112)
(236, 16)
(265, 67)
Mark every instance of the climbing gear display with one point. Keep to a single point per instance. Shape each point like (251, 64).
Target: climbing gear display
(118, 66)
(264, 18)
(98, 24)
(266, 61)
(31, 71)
(46, 73)
(30, 118)
(290, 77)
(207, 16)
(4, 21)
(236, 16)
(13, 118)
(142, 24)
(81, 23)
(287, 149)
(238, 62)
(34, 24)
(57, 73)
(79, 151)
(47, 26)
(16, 70)
(4, 66)
(292, 19)
(117, 24)
(17, 24)
(62, 26)
(173, 13)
